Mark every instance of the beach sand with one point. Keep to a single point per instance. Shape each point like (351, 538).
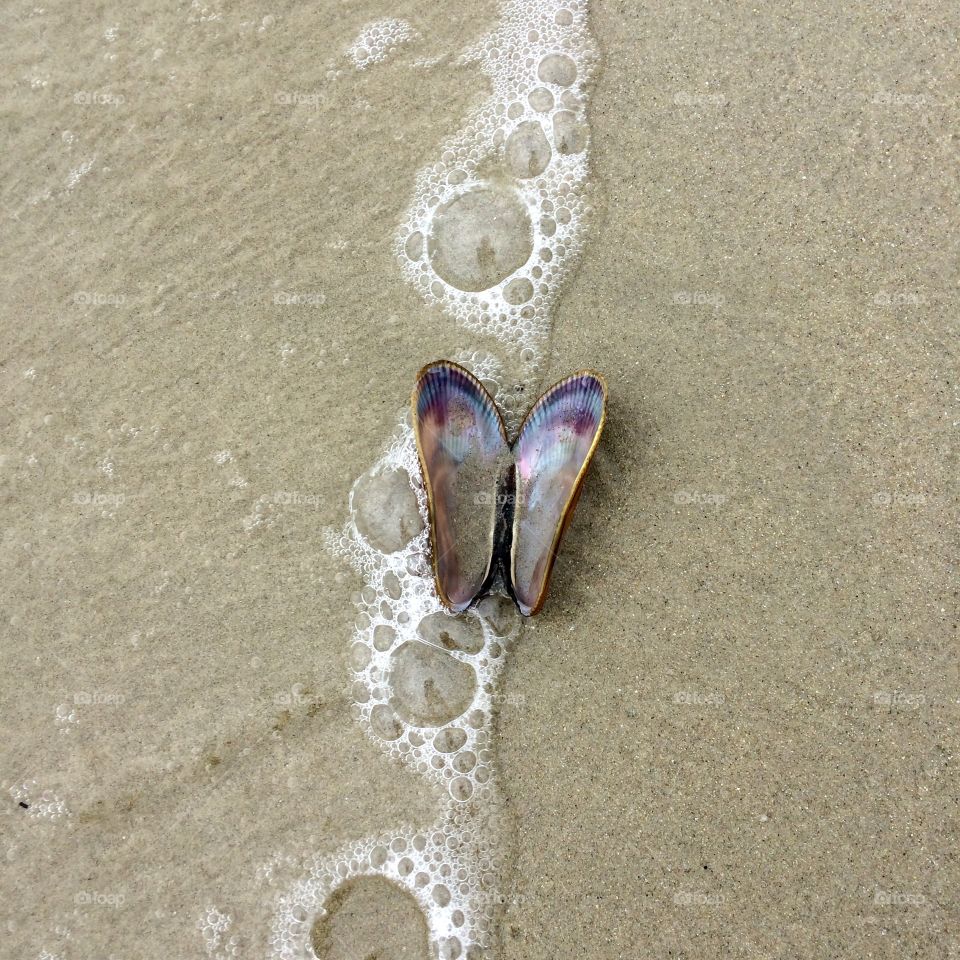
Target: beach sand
(732, 730)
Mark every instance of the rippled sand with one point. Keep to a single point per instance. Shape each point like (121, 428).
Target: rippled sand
(731, 732)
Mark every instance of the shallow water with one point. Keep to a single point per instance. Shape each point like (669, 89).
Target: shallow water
(731, 730)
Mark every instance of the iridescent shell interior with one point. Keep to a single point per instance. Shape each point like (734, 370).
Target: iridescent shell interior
(552, 453)
(467, 461)
(463, 449)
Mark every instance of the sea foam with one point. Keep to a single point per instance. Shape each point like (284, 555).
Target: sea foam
(494, 227)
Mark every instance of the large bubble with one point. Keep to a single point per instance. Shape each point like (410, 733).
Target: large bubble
(370, 917)
(569, 133)
(452, 633)
(517, 291)
(557, 68)
(541, 99)
(527, 150)
(385, 509)
(500, 613)
(429, 687)
(480, 237)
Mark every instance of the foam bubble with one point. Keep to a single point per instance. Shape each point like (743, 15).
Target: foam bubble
(569, 132)
(430, 687)
(518, 291)
(385, 723)
(370, 917)
(557, 68)
(384, 637)
(527, 150)
(480, 237)
(414, 245)
(463, 633)
(500, 614)
(541, 99)
(449, 740)
(387, 513)
(379, 40)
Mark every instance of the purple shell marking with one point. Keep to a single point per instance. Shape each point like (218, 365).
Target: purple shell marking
(466, 460)
(553, 451)
(462, 445)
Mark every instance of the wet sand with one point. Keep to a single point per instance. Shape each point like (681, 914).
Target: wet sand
(731, 732)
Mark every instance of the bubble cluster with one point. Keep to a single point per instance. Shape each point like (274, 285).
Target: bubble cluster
(218, 942)
(449, 869)
(496, 222)
(38, 803)
(420, 674)
(379, 40)
(65, 717)
(424, 685)
(494, 227)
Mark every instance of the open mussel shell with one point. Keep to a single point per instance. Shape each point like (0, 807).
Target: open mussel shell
(498, 514)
